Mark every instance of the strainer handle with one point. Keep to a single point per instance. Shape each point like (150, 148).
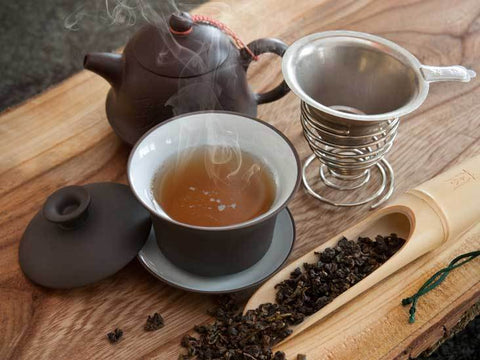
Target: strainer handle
(447, 73)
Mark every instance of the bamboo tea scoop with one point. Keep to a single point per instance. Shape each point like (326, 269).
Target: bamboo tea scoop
(437, 211)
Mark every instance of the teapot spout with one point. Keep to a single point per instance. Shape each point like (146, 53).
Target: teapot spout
(107, 65)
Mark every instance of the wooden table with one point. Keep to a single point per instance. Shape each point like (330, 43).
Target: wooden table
(62, 137)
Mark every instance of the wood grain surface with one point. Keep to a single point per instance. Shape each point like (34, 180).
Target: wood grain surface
(62, 137)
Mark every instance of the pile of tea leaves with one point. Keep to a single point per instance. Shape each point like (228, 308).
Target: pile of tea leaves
(234, 336)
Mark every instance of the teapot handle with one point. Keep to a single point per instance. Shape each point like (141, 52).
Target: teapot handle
(268, 45)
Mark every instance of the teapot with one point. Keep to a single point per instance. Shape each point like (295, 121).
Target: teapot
(190, 65)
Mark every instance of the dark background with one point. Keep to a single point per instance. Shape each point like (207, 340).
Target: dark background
(43, 42)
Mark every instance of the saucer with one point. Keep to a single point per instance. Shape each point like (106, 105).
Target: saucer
(282, 243)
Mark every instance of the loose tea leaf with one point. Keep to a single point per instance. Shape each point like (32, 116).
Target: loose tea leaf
(234, 336)
(336, 270)
(301, 357)
(154, 322)
(115, 335)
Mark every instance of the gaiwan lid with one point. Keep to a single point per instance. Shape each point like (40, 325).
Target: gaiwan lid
(83, 234)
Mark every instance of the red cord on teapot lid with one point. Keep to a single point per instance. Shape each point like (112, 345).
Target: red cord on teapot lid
(219, 25)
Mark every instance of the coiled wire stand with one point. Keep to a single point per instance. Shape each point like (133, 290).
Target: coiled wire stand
(348, 152)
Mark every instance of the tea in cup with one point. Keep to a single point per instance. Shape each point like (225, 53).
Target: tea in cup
(214, 183)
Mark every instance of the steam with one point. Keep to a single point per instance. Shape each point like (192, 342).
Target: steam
(225, 151)
(202, 92)
(120, 12)
(222, 152)
(71, 21)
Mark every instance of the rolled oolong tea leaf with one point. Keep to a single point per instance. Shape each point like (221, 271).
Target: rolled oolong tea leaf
(115, 335)
(154, 322)
(336, 270)
(234, 336)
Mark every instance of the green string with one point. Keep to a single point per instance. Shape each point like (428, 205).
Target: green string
(436, 280)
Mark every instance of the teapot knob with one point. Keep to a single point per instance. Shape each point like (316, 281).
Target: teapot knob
(181, 24)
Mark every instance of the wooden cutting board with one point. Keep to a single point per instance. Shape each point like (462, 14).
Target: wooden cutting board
(62, 137)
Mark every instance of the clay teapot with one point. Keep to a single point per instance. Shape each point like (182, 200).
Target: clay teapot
(190, 65)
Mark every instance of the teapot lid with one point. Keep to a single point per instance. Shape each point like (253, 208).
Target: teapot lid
(186, 49)
(82, 235)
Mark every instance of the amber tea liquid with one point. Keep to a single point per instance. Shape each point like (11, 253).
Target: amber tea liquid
(214, 186)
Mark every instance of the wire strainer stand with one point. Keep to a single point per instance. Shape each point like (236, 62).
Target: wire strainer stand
(331, 69)
(348, 154)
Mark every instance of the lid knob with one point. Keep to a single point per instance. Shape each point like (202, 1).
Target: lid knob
(67, 207)
(180, 24)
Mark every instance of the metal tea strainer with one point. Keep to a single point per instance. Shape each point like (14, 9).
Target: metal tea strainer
(354, 87)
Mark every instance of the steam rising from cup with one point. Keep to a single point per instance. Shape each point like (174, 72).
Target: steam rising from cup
(223, 148)
(204, 91)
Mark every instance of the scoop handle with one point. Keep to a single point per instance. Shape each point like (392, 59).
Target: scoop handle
(455, 197)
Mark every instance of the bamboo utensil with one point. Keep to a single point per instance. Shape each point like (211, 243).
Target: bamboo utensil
(431, 214)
